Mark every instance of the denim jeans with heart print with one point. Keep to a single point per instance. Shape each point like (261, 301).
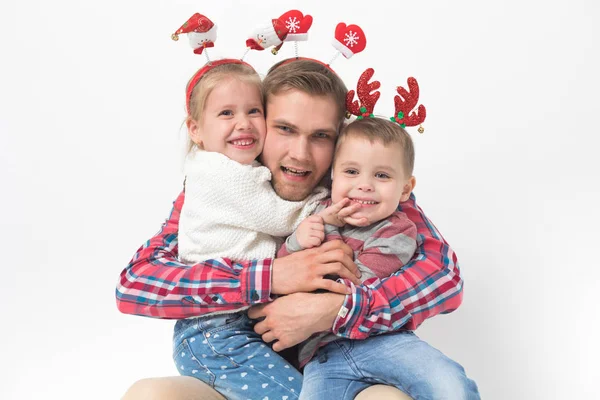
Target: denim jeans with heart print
(225, 352)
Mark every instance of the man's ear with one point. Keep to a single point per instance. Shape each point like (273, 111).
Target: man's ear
(408, 188)
(193, 128)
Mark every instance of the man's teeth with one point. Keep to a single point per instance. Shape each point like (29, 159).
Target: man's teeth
(242, 142)
(294, 171)
(364, 201)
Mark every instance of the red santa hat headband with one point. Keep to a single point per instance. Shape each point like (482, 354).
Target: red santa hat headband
(405, 101)
(202, 33)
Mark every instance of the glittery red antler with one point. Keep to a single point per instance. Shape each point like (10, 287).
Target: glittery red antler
(367, 99)
(405, 101)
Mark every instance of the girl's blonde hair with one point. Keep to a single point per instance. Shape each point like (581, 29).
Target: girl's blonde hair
(209, 81)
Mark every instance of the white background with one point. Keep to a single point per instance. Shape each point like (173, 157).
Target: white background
(91, 104)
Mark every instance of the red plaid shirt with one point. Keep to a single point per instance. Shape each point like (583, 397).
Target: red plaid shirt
(156, 284)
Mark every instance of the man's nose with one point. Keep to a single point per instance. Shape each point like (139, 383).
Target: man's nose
(299, 149)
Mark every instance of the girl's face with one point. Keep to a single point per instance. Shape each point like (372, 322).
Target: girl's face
(233, 121)
(370, 174)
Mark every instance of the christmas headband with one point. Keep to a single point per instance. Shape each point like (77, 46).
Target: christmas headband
(405, 101)
(202, 33)
(292, 26)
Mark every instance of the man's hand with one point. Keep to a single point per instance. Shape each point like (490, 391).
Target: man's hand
(311, 232)
(292, 319)
(305, 271)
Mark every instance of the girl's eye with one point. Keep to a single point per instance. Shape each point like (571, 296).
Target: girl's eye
(381, 175)
(226, 113)
(351, 172)
(255, 111)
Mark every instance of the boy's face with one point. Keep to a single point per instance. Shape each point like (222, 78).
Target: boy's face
(372, 175)
(232, 121)
(301, 134)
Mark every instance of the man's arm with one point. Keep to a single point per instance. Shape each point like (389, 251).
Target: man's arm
(430, 284)
(156, 284)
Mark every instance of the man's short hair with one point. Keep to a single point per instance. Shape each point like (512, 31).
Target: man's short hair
(308, 76)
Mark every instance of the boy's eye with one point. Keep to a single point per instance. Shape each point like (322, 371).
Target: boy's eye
(381, 175)
(226, 112)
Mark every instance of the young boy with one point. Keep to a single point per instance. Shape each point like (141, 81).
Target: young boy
(373, 166)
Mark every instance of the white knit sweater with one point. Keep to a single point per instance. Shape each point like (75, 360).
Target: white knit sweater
(231, 210)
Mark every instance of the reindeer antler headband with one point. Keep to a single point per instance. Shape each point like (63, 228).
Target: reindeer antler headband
(405, 101)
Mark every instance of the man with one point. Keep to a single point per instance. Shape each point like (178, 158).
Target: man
(305, 109)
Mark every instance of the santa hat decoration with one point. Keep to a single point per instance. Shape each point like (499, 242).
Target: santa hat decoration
(201, 31)
(349, 40)
(271, 34)
(297, 24)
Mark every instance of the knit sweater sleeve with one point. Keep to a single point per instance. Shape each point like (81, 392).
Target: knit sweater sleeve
(246, 195)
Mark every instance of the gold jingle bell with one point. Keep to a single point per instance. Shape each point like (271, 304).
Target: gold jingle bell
(421, 129)
(274, 51)
(175, 37)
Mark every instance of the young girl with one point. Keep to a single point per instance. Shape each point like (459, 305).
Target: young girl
(231, 210)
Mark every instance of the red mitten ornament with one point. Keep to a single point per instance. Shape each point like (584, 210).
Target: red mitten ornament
(349, 40)
(297, 24)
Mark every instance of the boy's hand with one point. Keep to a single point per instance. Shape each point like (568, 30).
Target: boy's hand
(311, 232)
(340, 213)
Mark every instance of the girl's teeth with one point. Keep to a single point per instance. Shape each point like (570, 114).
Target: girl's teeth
(244, 142)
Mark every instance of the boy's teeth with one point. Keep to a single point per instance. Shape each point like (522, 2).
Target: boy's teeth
(365, 201)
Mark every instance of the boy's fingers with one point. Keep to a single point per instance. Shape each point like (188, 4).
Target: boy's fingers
(347, 211)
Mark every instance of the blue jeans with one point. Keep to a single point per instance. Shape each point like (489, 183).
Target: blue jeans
(225, 352)
(341, 369)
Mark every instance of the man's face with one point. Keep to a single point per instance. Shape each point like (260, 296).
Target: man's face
(301, 134)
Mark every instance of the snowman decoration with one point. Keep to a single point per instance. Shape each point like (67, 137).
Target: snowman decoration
(268, 35)
(201, 32)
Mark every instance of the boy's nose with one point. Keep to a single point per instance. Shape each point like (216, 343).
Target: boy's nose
(365, 187)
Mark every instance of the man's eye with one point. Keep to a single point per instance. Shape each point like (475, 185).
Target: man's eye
(226, 113)
(255, 111)
(351, 172)
(284, 128)
(321, 135)
(381, 175)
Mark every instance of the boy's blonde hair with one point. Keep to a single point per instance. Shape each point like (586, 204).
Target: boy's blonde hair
(209, 81)
(385, 131)
(308, 76)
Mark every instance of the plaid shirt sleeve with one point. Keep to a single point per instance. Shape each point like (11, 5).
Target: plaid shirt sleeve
(155, 284)
(428, 285)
